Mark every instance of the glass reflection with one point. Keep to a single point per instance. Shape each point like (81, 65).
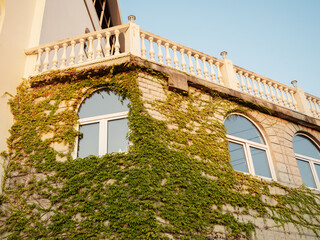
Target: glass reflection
(89, 142)
(117, 132)
(101, 103)
(241, 127)
(260, 162)
(238, 160)
(302, 145)
(306, 174)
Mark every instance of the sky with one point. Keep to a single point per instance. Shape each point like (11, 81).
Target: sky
(278, 39)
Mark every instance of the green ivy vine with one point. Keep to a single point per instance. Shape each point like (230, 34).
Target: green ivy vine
(174, 182)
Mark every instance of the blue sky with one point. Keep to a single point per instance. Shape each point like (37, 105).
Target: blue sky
(279, 39)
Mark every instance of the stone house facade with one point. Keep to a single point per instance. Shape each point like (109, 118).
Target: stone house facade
(210, 150)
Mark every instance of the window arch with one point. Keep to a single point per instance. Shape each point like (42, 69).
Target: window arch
(308, 160)
(248, 150)
(103, 124)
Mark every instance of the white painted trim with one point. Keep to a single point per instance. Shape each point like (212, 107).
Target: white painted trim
(111, 116)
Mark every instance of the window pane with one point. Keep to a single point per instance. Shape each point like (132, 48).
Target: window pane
(317, 167)
(238, 160)
(101, 103)
(260, 162)
(89, 143)
(306, 174)
(302, 145)
(241, 127)
(117, 132)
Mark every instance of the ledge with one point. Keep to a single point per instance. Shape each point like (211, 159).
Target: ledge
(180, 81)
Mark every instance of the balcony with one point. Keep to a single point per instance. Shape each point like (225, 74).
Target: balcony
(128, 39)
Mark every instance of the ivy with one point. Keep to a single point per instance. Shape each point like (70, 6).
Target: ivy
(175, 181)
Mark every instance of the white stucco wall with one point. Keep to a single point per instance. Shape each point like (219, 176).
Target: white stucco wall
(63, 19)
(15, 36)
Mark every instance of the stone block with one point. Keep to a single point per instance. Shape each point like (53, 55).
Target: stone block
(60, 147)
(282, 167)
(47, 136)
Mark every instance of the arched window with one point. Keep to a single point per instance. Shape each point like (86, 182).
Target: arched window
(308, 160)
(248, 150)
(103, 124)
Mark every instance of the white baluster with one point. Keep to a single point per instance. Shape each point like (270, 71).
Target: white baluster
(64, 56)
(55, 57)
(316, 107)
(191, 67)
(242, 84)
(108, 47)
(255, 89)
(260, 88)
(246, 75)
(99, 49)
(283, 97)
(151, 51)
(38, 64)
(205, 69)
(183, 61)
(160, 55)
(90, 49)
(168, 57)
(272, 93)
(143, 47)
(198, 68)
(212, 72)
(311, 106)
(117, 44)
(219, 73)
(46, 60)
(267, 93)
(275, 85)
(294, 102)
(81, 51)
(317, 104)
(286, 91)
(175, 57)
(72, 53)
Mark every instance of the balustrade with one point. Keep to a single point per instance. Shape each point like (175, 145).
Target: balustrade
(266, 89)
(78, 50)
(314, 104)
(197, 63)
(101, 45)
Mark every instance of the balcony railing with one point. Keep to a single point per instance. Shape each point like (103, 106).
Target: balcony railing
(129, 38)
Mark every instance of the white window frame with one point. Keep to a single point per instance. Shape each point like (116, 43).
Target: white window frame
(246, 147)
(311, 162)
(103, 129)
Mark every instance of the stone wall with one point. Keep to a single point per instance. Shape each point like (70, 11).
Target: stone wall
(278, 132)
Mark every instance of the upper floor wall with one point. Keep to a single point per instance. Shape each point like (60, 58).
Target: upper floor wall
(65, 19)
